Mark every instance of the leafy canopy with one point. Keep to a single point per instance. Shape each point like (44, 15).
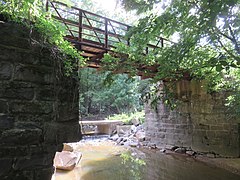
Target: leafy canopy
(206, 42)
(208, 33)
(32, 13)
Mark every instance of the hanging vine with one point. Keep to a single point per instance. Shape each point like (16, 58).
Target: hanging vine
(31, 13)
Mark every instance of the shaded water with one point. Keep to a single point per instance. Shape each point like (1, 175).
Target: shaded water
(105, 161)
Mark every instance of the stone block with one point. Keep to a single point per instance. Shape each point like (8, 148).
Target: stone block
(38, 118)
(6, 122)
(47, 148)
(28, 58)
(5, 166)
(216, 127)
(6, 70)
(161, 130)
(226, 127)
(11, 54)
(18, 42)
(179, 131)
(14, 91)
(221, 134)
(7, 54)
(211, 134)
(66, 112)
(49, 78)
(21, 136)
(44, 173)
(28, 125)
(182, 126)
(30, 73)
(169, 126)
(215, 118)
(161, 136)
(3, 106)
(42, 107)
(202, 126)
(9, 151)
(46, 93)
(34, 161)
(46, 60)
(56, 133)
(123, 130)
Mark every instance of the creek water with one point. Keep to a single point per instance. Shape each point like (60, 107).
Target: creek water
(102, 160)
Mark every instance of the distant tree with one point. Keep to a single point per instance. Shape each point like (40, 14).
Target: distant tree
(123, 95)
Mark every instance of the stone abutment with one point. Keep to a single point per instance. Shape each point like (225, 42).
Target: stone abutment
(201, 121)
(38, 105)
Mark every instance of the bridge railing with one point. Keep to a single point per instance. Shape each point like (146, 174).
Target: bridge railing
(85, 28)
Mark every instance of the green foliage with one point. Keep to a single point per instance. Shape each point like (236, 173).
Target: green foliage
(140, 6)
(208, 30)
(134, 165)
(101, 93)
(127, 118)
(233, 103)
(31, 13)
(209, 48)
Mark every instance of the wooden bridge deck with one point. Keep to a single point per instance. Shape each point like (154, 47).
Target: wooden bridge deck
(92, 34)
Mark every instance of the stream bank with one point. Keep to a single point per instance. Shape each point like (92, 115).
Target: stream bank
(102, 159)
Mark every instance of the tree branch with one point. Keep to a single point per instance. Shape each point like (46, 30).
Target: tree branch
(229, 52)
(226, 36)
(234, 39)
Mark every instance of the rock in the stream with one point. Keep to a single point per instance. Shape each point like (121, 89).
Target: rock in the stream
(119, 140)
(162, 150)
(190, 153)
(133, 129)
(114, 137)
(121, 143)
(140, 127)
(180, 150)
(66, 160)
(152, 145)
(133, 144)
(140, 135)
(135, 121)
(67, 147)
(144, 143)
(211, 155)
(171, 148)
(123, 130)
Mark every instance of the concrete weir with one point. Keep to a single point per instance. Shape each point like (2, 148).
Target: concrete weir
(103, 126)
(38, 105)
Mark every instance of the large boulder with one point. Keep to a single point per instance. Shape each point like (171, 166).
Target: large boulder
(66, 160)
(140, 135)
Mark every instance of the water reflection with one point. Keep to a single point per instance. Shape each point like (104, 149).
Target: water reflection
(134, 165)
(177, 167)
(104, 161)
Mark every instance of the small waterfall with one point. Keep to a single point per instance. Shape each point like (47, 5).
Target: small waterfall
(98, 137)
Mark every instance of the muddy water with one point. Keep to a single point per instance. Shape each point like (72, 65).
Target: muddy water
(104, 161)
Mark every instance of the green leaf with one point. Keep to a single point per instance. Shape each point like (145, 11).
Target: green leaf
(219, 68)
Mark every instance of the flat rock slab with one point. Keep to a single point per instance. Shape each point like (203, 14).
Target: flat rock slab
(66, 160)
(101, 122)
